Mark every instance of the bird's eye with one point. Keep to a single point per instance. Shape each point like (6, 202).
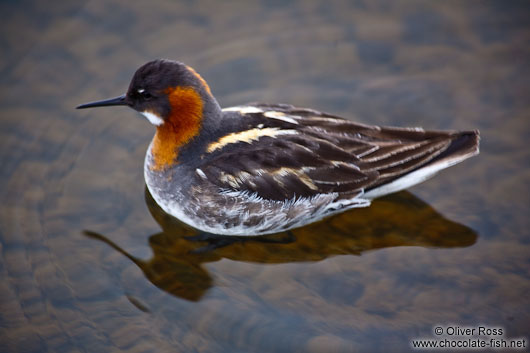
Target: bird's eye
(144, 94)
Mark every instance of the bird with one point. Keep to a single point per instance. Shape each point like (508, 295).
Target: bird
(260, 168)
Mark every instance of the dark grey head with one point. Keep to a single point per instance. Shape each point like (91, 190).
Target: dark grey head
(151, 85)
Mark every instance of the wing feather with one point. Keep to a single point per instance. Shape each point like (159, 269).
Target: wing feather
(327, 154)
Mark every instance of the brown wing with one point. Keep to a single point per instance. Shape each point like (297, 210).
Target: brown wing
(306, 152)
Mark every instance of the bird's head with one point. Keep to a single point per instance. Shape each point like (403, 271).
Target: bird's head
(162, 89)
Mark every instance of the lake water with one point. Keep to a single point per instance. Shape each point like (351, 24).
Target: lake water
(88, 262)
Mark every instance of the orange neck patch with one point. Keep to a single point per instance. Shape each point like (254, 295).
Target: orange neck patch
(202, 80)
(182, 125)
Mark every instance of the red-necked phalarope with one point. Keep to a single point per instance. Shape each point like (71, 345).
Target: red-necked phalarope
(265, 168)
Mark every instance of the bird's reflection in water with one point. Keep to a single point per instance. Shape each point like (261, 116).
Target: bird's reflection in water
(400, 219)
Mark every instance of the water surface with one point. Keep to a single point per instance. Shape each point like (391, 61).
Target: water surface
(88, 263)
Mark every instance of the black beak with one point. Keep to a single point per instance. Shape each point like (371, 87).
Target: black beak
(104, 103)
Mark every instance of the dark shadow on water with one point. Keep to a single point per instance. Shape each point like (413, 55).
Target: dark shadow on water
(400, 219)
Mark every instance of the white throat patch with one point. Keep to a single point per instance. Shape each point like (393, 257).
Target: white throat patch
(153, 118)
